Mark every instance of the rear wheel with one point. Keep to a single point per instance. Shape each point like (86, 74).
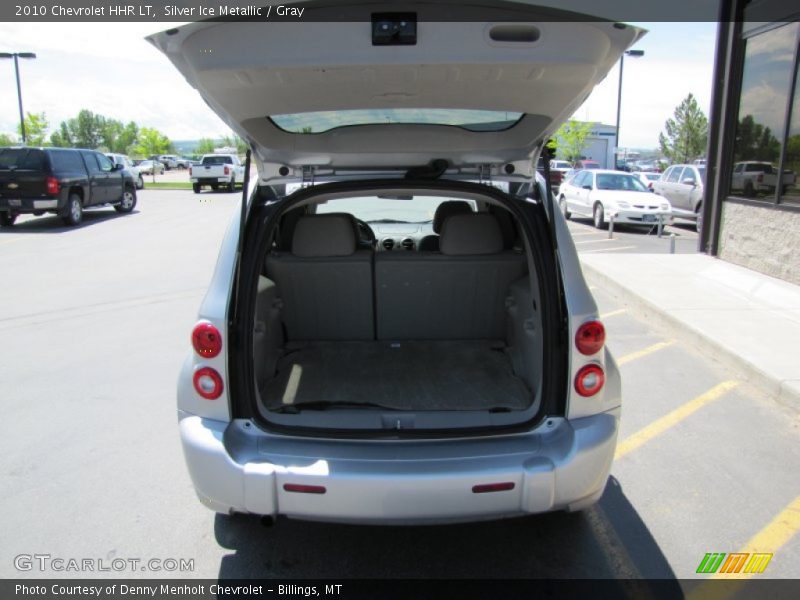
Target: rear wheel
(74, 214)
(749, 190)
(196, 188)
(698, 224)
(599, 218)
(140, 182)
(128, 201)
(562, 204)
(232, 185)
(7, 219)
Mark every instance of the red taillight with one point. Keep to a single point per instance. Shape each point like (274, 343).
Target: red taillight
(760, 177)
(190, 171)
(52, 186)
(493, 487)
(227, 170)
(589, 380)
(206, 340)
(304, 489)
(590, 337)
(208, 383)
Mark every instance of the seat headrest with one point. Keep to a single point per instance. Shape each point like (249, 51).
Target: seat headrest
(324, 235)
(475, 233)
(448, 209)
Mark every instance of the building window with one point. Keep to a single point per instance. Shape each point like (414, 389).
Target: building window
(791, 162)
(769, 64)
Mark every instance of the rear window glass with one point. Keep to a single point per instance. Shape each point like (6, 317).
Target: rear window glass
(374, 209)
(472, 120)
(217, 160)
(66, 161)
(22, 158)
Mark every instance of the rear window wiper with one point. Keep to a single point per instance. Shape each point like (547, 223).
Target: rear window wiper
(293, 409)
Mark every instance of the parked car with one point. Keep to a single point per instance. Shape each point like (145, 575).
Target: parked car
(147, 167)
(332, 378)
(217, 171)
(647, 178)
(582, 165)
(683, 186)
(126, 163)
(62, 181)
(601, 193)
(755, 177)
(172, 161)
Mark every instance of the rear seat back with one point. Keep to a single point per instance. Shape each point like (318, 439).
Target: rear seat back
(324, 282)
(458, 294)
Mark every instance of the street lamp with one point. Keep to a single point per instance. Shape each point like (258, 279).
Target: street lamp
(634, 54)
(16, 56)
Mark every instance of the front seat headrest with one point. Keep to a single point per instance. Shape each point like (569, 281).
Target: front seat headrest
(448, 209)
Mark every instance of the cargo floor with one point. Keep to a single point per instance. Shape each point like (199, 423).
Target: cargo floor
(409, 375)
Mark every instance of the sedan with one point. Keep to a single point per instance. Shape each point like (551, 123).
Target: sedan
(603, 194)
(146, 167)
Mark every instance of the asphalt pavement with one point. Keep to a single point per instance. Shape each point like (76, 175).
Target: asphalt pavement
(95, 323)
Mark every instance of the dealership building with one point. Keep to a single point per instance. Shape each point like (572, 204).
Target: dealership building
(752, 193)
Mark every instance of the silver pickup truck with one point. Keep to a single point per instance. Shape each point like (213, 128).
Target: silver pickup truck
(754, 177)
(217, 171)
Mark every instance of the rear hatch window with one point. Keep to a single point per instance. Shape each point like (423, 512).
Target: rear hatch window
(23, 159)
(217, 160)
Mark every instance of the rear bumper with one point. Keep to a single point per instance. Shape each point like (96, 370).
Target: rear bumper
(639, 217)
(210, 180)
(25, 205)
(235, 467)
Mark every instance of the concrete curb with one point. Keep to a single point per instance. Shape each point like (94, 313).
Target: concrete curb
(777, 388)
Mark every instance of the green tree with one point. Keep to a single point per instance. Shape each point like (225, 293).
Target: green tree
(685, 136)
(570, 139)
(7, 140)
(205, 146)
(62, 137)
(151, 142)
(36, 126)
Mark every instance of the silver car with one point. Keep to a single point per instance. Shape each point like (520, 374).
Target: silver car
(683, 186)
(407, 336)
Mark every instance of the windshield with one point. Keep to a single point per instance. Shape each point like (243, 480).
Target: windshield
(374, 209)
(626, 183)
(473, 120)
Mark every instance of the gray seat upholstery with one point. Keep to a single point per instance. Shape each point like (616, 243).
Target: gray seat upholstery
(459, 293)
(430, 243)
(325, 283)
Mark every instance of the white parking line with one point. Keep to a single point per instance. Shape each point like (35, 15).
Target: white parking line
(614, 313)
(595, 241)
(609, 249)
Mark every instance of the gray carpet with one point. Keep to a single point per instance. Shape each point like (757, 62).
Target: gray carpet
(427, 375)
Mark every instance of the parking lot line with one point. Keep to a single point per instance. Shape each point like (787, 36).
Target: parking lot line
(609, 249)
(576, 232)
(614, 313)
(595, 241)
(649, 350)
(770, 539)
(659, 426)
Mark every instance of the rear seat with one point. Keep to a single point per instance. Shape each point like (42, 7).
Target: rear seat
(457, 294)
(325, 282)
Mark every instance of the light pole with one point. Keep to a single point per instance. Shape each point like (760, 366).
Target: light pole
(634, 54)
(16, 56)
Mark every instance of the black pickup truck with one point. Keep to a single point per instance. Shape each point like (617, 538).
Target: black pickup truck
(63, 181)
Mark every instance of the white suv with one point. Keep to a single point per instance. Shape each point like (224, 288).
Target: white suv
(399, 340)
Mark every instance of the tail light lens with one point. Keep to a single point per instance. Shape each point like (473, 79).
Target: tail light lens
(227, 170)
(590, 337)
(190, 171)
(206, 340)
(589, 380)
(760, 177)
(208, 383)
(52, 186)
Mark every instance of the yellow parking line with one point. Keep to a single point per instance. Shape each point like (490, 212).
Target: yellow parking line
(608, 249)
(774, 535)
(676, 416)
(769, 540)
(614, 313)
(649, 350)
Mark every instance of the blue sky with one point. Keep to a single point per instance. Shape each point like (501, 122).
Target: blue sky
(110, 69)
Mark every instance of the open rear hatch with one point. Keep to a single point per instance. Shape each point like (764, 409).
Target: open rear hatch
(317, 93)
